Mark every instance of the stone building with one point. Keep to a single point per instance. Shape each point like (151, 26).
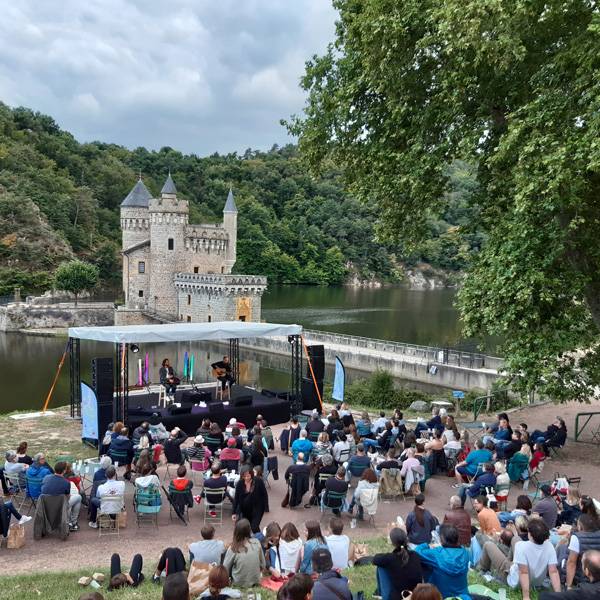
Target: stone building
(181, 272)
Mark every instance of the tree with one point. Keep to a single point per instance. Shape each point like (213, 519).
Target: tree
(76, 276)
(511, 86)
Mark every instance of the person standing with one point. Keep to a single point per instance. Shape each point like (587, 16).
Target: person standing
(250, 500)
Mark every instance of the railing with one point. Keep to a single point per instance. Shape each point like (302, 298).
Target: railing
(430, 354)
(579, 430)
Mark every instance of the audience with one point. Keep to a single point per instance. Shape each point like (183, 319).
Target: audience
(119, 579)
(330, 585)
(290, 547)
(586, 536)
(57, 485)
(208, 550)
(534, 561)
(340, 546)
(367, 481)
(339, 485)
(482, 482)
(176, 587)
(110, 488)
(420, 523)
(547, 508)
(459, 518)
(402, 566)
(218, 584)
(36, 474)
(469, 466)
(172, 447)
(302, 444)
(296, 588)
(587, 590)
(314, 540)
(488, 521)
(244, 559)
(426, 591)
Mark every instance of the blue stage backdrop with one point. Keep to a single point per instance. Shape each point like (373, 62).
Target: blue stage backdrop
(339, 380)
(89, 413)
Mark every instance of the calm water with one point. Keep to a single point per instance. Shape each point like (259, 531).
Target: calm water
(28, 363)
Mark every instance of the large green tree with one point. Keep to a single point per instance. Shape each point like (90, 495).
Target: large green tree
(76, 276)
(511, 86)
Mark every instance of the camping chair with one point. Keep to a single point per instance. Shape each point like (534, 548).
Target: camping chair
(480, 469)
(120, 459)
(231, 465)
(390, 484)
(332, 501)
(344, 456)
(147, 503)
(108, 519)
(183, 499)
(534, 477)
(198, 468)
(574, 481)
(29, 482)
(313, 436)
(556, 451)
(214, 507)
(355, 471)
(17, 488)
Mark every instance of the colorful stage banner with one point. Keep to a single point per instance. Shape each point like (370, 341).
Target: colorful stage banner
(339, 380)
(89, 413)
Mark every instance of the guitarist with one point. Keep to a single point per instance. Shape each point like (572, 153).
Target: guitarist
(168, 378)
(222, 371)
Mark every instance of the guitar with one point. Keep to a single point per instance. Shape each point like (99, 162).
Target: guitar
(219, 372)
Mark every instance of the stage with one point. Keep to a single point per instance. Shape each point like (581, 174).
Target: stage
(189, 416)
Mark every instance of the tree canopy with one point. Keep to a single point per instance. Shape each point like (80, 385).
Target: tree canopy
(408, 87)
(76, 276)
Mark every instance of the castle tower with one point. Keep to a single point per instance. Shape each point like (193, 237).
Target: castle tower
(168, 220)
(135, 227)
(230, 214)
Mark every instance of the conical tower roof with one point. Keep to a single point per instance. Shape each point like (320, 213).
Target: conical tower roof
(230, 204)
(169, 187)
(138, 196)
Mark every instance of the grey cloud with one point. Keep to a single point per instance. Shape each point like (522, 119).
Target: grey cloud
(200, 76)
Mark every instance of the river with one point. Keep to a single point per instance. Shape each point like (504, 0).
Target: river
(427, 317)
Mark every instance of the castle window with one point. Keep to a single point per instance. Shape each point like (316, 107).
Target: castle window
(196, 269)
(171, 243)
(189, 299)
(189, 319)
(209, 318)
(222, 269)
(141, 267)
(141, 293)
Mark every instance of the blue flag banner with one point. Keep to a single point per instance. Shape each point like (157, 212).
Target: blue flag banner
(339, 380)
(89, 413)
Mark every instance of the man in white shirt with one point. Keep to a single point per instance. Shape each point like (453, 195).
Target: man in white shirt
(341, 449)
(534, 561)
(340, 546)
(379, 423)
(103, 499)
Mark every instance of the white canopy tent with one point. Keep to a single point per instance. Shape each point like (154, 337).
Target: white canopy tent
(183, 332)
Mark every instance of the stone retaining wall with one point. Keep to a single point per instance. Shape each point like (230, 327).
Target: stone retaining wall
(14, 317)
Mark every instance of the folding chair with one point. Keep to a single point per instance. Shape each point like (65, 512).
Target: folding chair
(355, 472)
(147, 503)
(178, 497)
(480, 469)
(197, 468)
(391, 481)
(17, 490)
(214, 507)
(332, 501)
(107, 519)
(533, 477)
(574, 481)
(29, 483)
(313, 436)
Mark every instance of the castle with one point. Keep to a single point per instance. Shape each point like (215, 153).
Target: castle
(175, 271)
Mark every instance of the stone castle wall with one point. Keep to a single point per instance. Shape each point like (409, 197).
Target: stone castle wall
(14, 317)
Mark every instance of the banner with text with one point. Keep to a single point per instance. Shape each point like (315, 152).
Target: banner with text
(89, 413)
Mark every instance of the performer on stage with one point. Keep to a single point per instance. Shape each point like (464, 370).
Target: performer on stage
(222, 371)
(168, 378)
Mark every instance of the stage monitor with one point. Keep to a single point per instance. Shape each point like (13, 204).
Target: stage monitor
(243, 400)
(195, 397)
(310, 399)
(180, 410)
(317, 360)
(215, 407)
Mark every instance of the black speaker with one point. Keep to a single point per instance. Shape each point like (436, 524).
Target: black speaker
(243, 401)
(180, 410)
(214, 407)
(193, 397)
(317, 359)
(310, 399)
(102, 384)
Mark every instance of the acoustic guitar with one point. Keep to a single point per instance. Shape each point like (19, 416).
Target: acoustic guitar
(219, 372)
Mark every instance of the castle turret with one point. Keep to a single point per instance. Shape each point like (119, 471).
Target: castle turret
(230, 214)
(135, 227)
(168, 219)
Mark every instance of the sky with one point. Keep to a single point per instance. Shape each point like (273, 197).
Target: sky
(201, 76)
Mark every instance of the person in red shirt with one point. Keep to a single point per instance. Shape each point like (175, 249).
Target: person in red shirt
(538, 456)
(231, 452)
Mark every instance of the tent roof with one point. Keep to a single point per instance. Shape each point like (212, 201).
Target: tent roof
(182, 332)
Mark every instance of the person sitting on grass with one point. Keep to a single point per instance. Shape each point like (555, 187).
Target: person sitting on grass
(176, 587)
(420, 523)
(314, 540)
(488, 520)
(459, 518)
(218, 585)
(208, 550)
(426, 591)
(330, 585)
(120, 580)
(402, 565)
(290, 547)
(446, 566)
(272, 534)
(339, 544)
(171, 561)
(587, 590)
(296, 588)
(91, 596)
(244, 559)
(534, 561)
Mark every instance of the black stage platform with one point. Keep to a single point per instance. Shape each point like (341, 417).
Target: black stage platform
(274, 408)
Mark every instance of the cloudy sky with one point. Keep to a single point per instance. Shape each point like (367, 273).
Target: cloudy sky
(198, 75)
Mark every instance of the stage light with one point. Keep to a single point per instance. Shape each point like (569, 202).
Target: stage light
(134, 348)
(290, 339)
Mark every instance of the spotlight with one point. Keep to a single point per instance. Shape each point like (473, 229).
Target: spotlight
(291, 339)
(134, 348)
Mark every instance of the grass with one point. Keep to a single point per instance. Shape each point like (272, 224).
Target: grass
(63, 585)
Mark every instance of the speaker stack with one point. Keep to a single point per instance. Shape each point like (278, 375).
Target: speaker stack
(102, 383)
(310, 398)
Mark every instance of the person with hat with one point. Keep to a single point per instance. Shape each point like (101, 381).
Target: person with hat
(198, 451)
(230, 454)
(547, 508)
(330, 585)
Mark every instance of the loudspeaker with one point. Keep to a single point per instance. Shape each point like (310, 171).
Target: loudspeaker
(310, 399)
(243, 401)
(193, 397)
(102, 384)
(269, 393)
(317, 359)
(215, 407)
(180, 410)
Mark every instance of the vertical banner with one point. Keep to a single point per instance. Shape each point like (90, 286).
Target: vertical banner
(339, 380)
(191, 371)
(89, 413)
(140, 380)
(185, 365)
(147, 371)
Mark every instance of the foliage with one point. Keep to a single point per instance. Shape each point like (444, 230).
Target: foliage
(76, 277)
(407, 88)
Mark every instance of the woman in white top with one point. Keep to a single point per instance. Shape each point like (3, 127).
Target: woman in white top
(147, 478)
(290, 547)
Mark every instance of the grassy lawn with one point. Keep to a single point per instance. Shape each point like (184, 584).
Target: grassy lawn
(63, 586)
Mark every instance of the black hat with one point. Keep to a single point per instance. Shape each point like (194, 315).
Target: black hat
(321, 560)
